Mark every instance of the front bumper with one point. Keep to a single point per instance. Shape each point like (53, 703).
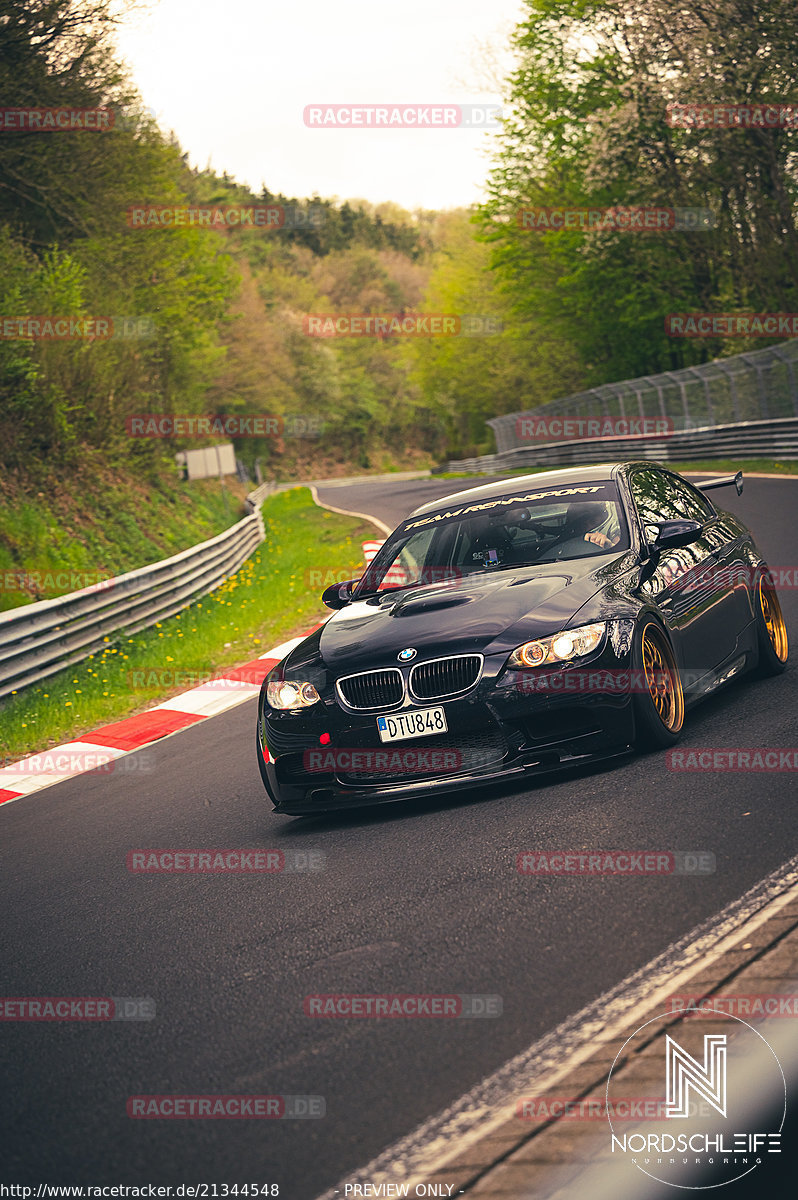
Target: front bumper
(512, 725)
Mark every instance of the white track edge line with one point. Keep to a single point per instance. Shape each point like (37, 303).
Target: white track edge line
(48, 783)
(345, 512)
(236, 698)
(426, 1150)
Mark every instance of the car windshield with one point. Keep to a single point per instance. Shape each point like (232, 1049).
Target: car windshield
(518, 529)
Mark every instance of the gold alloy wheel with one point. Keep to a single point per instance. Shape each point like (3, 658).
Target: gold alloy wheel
(773, 618)
(662, 678)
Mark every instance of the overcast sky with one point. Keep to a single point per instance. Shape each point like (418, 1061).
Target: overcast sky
(232, 79)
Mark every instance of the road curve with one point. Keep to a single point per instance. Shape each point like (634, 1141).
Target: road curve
(418, 897)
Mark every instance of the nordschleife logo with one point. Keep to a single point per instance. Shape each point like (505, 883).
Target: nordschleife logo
(707, 1080)
(719, 1098)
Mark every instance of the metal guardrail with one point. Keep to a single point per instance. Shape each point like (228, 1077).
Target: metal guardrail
(37, 640)
(254, 500)
(749, 439)
(758, 386)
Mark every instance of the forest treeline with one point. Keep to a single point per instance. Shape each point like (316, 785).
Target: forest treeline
(221, 315)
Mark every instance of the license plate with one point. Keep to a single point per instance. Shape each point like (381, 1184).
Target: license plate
(422, 722)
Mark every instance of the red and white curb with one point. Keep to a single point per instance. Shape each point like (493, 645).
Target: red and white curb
(93, 751)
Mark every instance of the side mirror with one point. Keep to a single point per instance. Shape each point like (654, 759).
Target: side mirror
(338, 595)
(670, 535)
(673, 534)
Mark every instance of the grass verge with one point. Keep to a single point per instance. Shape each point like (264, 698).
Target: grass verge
(100, 522)
(729, 466)
(724, 466)
(275, 595)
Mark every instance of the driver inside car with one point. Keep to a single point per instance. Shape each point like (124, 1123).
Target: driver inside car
(594, 521)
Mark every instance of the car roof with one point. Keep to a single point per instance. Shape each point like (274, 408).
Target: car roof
(541, 479)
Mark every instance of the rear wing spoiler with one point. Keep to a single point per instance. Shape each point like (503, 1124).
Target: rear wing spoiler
(727, 481)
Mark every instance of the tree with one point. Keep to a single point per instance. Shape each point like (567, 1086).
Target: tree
(588, 127)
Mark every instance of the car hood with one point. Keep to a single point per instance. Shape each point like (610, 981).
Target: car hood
(484, 613)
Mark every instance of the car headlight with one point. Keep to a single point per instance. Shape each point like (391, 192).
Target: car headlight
(560, 647)
(291, 694)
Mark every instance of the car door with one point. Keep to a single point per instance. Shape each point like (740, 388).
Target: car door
(688, 585)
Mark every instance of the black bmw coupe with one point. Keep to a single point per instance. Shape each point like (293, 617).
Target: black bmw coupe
(516, 628)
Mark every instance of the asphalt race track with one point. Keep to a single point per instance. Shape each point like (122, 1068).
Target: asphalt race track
(420, 897)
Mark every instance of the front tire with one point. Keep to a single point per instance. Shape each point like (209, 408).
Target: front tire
(770, 628)
(659, 701)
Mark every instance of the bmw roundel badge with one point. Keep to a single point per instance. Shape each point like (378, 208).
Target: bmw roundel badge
(406, 655)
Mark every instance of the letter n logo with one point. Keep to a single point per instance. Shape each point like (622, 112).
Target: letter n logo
(708, 1080)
